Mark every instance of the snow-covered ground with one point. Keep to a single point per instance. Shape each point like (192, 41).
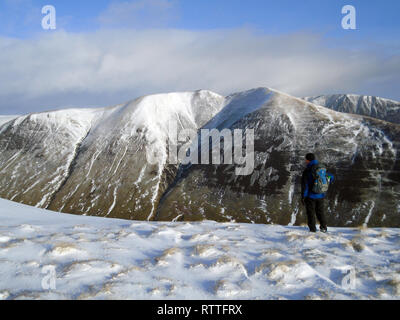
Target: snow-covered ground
(97, 258)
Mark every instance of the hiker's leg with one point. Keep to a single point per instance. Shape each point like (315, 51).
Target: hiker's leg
(320, 211)
(310, 210)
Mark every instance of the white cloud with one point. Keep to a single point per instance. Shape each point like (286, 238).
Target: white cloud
(110, 67)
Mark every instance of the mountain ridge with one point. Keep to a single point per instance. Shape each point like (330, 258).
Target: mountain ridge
(375, 107)
(95, 162)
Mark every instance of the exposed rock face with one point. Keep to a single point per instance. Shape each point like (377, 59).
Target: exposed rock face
(95, 161)
(37, 152)
(375, 107)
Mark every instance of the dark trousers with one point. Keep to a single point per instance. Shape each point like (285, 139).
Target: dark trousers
(315, 207)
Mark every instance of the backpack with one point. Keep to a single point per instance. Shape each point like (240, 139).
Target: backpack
(320, 179)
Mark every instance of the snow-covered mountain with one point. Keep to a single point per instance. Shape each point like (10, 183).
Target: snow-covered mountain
(94, 161)
(47, 255)
(362, 153)
(380, 108)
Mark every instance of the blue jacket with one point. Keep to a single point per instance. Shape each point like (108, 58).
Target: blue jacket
(307, 182)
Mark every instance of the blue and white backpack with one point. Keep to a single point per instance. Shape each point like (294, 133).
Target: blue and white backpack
(321, 180)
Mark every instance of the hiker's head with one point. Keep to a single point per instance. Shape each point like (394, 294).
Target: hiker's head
(310, 157)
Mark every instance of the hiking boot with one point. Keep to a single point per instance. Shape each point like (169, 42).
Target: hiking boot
(323, 230)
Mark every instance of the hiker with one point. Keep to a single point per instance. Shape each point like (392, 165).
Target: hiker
(314, 185)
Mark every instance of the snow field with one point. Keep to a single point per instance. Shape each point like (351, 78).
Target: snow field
(96, 258)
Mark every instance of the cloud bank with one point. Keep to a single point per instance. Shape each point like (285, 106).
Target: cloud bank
(112, 66)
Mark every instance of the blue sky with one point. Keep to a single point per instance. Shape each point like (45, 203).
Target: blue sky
(173, 45)
(375, 19)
